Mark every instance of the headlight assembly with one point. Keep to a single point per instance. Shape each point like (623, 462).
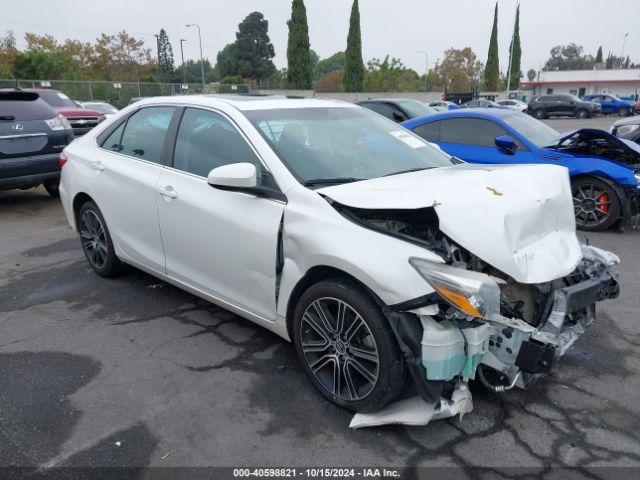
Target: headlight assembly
(473, 293)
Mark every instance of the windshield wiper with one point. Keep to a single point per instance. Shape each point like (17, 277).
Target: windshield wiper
(418, 169)
(330, 181)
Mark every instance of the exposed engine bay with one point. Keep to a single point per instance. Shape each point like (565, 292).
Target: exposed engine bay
(445, 347)
(598, 143)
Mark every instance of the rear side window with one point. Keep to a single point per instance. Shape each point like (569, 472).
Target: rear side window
(144, 133)
(429, 131)
(470, 131)
(113, 141)
(383, 109)
(25, 108)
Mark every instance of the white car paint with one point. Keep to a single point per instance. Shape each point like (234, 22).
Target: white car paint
(513, 105)
(222, 245)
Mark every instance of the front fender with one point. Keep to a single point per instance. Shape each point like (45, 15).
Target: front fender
(618, 173)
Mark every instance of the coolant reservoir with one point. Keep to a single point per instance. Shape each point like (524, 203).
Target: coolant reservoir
(443, 348)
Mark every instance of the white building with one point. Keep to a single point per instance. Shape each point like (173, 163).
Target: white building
(621, 82)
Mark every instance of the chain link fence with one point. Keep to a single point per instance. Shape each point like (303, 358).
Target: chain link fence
(120, 94)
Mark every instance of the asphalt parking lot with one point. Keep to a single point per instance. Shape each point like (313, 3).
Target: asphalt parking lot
(134, 372)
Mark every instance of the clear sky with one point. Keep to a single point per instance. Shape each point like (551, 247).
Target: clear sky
(396, 27)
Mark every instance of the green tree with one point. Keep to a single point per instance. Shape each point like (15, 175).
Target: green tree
(331, 82)
(569, 57)
(390, 75)
(331, 64)
(354, 65)
(459, 71)
(314, 58)
(515, 53)
(165, 55)
(531, 74)
(298, 63)
(599, 55)
(492, 70)
(251, 55)
(8, 52)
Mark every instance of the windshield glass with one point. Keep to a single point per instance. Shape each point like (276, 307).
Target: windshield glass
(100, 107)
(342, 143)
(415, 108)
(57, 99)
(535, 131)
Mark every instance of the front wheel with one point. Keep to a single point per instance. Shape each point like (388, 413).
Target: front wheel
(582, 114)
(623, 112)
(595, 203)
(96, 241)
(346, 346)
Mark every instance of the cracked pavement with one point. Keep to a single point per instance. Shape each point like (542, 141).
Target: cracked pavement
(103, 372)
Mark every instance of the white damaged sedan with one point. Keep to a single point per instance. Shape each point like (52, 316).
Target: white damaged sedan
(380, 257)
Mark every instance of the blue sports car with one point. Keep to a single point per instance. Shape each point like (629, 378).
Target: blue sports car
(604, 170)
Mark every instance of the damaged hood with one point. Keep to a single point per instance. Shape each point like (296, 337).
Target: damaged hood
(601, 139)
(519, 219)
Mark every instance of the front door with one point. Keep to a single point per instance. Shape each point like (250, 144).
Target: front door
(220, 242)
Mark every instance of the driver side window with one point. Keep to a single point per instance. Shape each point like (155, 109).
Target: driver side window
(207, 140)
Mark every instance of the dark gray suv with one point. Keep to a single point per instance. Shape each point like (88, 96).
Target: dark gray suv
(545, 106)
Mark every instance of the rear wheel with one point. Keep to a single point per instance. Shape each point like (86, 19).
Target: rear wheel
(52, 188)
(582, 113)
(624, 111)
(539, 113)
(347, 347)
(595, 203)
(96, 241)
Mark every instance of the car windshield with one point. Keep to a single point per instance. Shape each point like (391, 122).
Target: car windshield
(340, 144)
(57, 99)
(535, 131)
(101, 107)
(415, 108)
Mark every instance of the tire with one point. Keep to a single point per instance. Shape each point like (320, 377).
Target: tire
(596, 204)
(321, 345)
(539, 113)
(52, 188)
(624, 112)
(582, 113)
(96, 241)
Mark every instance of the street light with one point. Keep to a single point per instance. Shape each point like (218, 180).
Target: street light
(201, 59)
(624, 40)
(426, 72)
(184, 72)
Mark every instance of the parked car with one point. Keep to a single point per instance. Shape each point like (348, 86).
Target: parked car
(545, 106)
(443, 105)
(32, 136)
(105, 108)
(81, 119)
(397, 109)
(513, 104)
(604, 171)
(612, 104)
(480, 103)
(627, 128)
(136, 99)
(371, 250)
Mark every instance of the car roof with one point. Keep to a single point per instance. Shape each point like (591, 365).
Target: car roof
(486, 113)
(390, 99)
(248, 102)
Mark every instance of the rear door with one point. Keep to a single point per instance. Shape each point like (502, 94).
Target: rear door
(472, 140)
(124, 181)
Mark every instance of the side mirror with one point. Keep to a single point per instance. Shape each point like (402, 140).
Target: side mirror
(506, 144)
(237, 176)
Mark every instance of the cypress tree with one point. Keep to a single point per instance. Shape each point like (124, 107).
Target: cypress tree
(298, 62)
(599, 56)
(354, 66)
(492, 69)
(516, 74)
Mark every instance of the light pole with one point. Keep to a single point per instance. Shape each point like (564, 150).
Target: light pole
(624, 40)
(184, 72)
(201, 59)
(426, 71)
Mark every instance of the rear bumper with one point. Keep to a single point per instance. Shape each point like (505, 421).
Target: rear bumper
(27, 172)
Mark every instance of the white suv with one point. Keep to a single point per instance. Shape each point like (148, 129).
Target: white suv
(372, 250)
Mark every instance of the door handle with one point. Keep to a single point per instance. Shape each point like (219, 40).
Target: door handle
(167, 192)
(97, 165)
